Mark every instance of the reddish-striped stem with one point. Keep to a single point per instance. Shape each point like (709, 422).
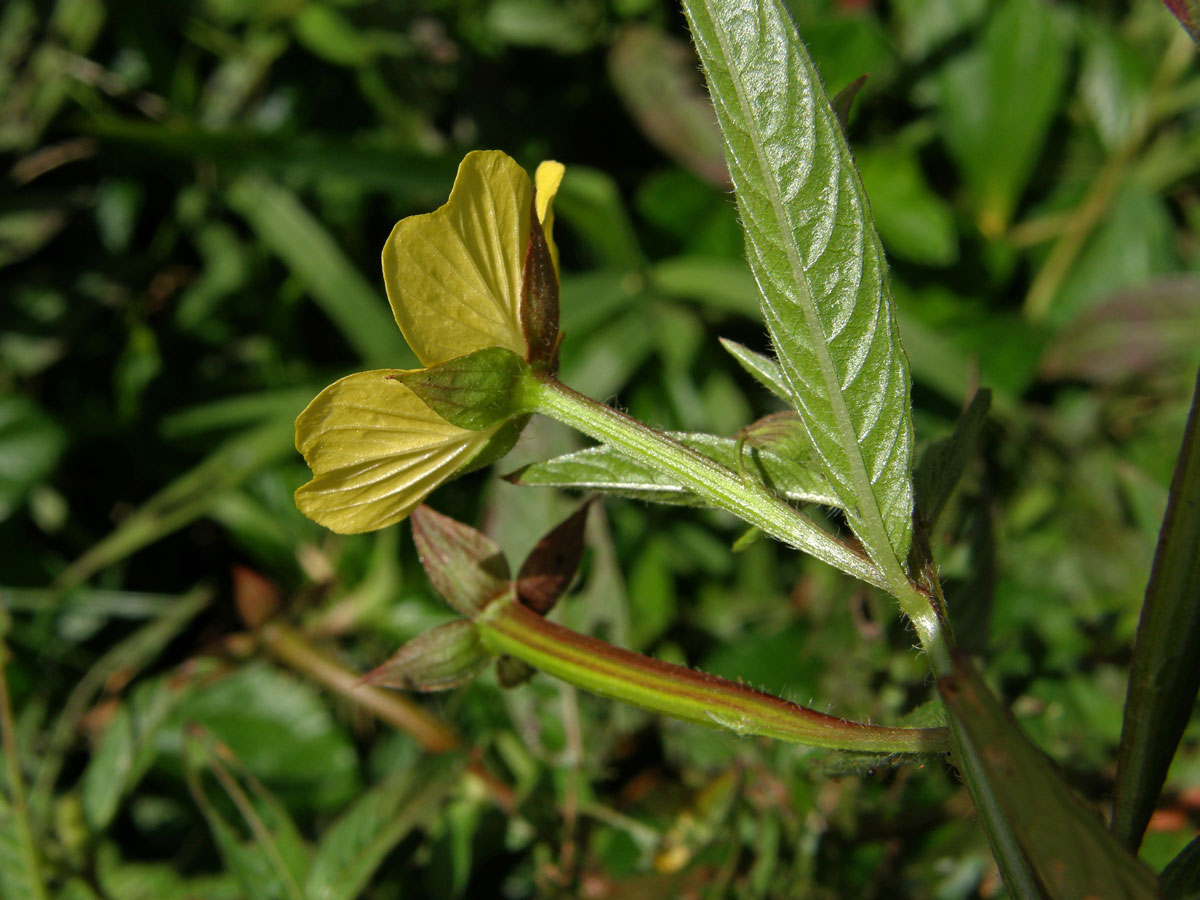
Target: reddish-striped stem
(507, 627)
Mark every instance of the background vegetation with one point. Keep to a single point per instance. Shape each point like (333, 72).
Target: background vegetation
(194, 202)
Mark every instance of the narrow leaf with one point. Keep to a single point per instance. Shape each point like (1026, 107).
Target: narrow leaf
(943, 462)
(604, 469)
(655, 76)
(1164, 677)
(761, 368)
(818, 263)
(307, 249)
(1070, 851)
(441, 658)
(997, 103)
(354, 846)
(128, 748)
(1181, 877)
(550, 567)
(843, 100)
(465, 566)
(271, 865)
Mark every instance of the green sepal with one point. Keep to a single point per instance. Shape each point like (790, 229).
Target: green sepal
(465, 566)
(444, 657)
(501, 442)
(475, 391)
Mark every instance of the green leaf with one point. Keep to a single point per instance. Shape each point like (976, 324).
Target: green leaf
(30, 444)
(720, 284)
(444, 657)
(1145, 332)
(126, 751)
(1164, 678)
(271, 865)
(1068, 848)
(281, 729)
(818, 262)
(914, 222)
(127, 657)
(763, 369)
(997, 103)
(359, 311)
(589, 201)
(605, 469)
(1181, 877)
(329, 35)
(465, 566)
(188, 497)
(475, 391)
(157, 881)
(655, 76)
(354, 846)
(943, 462)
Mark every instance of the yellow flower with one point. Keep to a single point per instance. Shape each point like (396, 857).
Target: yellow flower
(454, 281)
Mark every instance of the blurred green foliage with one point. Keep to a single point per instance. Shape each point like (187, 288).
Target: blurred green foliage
(194, 199)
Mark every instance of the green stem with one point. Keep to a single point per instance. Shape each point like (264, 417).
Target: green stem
(746, 499)
(507, 627)
(722, 487)
(20, 811)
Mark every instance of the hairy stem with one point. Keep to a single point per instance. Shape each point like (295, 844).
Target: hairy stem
(721, 487)
(508, 627)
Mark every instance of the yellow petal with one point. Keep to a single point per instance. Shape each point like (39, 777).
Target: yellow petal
(548, 177)
(376, 452)
(453, 276)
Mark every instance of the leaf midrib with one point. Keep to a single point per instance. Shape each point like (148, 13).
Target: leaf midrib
(871, 515)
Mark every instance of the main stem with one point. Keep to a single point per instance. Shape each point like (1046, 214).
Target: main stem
(722, 487)
(727, 490)
(508, 627)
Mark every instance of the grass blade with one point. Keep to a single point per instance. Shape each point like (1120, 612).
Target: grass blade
(1164, 677)
(818, 262)
(359, 311)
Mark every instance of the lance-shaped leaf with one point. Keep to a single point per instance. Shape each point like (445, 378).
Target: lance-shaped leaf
(604, 469)
(1181, 877)
(943, 462)
(1072, 854)
(551, 565)
(1164, 677)
(441, 658)
(818, 262)
(761, 368)
(466, 567)
(473, 391)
